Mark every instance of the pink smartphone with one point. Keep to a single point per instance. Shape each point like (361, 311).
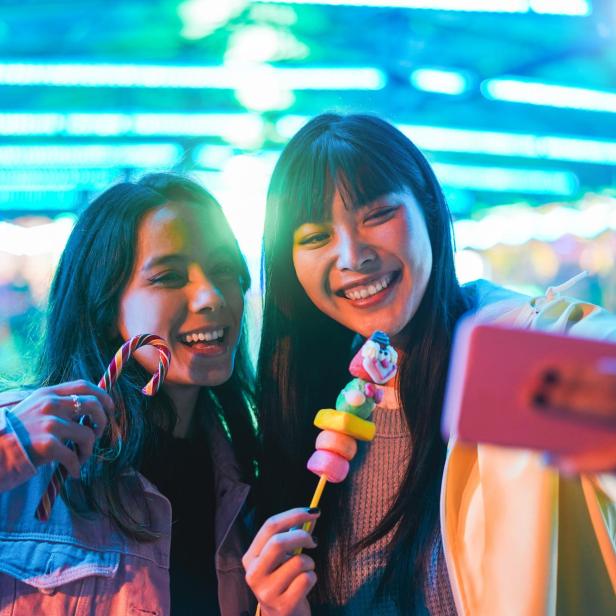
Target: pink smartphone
(530, 389)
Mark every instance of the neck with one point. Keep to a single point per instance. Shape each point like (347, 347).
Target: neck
(184, 400)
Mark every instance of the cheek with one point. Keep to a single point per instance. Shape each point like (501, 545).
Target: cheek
(235, 301)
(233, 298)
(137, 315)
(308, 276)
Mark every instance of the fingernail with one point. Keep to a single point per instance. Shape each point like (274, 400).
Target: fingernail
(313, 510)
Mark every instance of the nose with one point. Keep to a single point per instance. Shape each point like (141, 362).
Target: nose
(205, 296)
(354, 254)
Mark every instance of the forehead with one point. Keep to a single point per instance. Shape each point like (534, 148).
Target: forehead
(179, 226)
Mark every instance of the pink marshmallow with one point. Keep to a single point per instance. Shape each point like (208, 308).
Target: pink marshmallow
(337, 442)
(334, 467)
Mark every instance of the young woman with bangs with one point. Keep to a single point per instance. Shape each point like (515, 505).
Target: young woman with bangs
(358, 238)
(156, 524)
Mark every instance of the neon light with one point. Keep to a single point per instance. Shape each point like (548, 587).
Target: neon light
(550, 95)
(503, 179)
(144, 156)
(226, 77)
(240, 128)
(442, 139)
(555, 7)
(47, 179)
(560, 7)
(491, 6)
(440, 81)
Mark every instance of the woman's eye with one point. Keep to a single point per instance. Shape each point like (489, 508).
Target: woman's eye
(225, 270)
(169, 279)
(314, 239)
(380, 215)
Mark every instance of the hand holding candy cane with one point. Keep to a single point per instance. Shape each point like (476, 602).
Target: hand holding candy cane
(45, 421)
(107, 382)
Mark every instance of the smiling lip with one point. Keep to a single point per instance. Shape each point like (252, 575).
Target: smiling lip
(372, 291)
(206, 341)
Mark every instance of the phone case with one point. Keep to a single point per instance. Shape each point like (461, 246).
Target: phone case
(530, 389)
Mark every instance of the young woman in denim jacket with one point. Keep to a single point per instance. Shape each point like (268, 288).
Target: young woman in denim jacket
(358, 238)
(156, 256)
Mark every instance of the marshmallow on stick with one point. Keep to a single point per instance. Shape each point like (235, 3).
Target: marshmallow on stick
(374, 364)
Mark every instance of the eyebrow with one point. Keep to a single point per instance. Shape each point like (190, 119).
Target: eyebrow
(176, 258)
(163, 260)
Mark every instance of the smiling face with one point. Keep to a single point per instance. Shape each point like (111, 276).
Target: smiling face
(368, 267)
(185, 287)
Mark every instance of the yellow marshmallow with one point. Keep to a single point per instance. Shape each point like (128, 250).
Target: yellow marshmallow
(351, 425)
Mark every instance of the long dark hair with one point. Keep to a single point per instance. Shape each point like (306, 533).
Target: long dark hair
(82, 336)
(304, 355)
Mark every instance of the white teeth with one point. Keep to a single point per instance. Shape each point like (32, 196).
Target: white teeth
(369, 290)
(204, 336)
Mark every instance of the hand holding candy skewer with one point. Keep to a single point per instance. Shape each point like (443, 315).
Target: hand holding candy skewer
(374, 364)
(107, 382)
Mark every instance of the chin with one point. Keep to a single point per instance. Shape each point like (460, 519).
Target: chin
(215, 381)
(213, 377)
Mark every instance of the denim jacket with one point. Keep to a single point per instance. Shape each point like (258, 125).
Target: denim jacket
(74, 565)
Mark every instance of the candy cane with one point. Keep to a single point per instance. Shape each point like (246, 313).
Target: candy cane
(107, 382)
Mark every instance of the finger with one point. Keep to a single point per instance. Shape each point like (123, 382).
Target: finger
(58, 451)
(82, 437)
(299, 588)
(73, 406)
(593, 461)
(274, 559)
(279, 524)
(91, 405)
(85, 388)
(281, 547)
(269, 588)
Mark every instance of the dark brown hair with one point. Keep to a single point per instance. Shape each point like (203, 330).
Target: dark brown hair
(364, 157)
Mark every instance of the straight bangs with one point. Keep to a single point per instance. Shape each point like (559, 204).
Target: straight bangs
(360, 176)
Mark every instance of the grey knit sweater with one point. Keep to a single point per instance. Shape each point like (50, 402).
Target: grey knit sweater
(376, 474)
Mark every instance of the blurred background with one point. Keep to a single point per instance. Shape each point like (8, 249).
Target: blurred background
(513, 101)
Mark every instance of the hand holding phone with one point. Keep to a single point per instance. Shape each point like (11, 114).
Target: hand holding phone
(531, 389)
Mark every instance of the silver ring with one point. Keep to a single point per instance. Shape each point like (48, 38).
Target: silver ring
(76, 404)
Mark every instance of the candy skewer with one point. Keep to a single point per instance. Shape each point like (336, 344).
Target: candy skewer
(108, 380)
(374, 364)
(316, 499)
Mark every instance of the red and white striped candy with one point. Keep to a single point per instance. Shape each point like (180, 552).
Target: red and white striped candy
(107, 382)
